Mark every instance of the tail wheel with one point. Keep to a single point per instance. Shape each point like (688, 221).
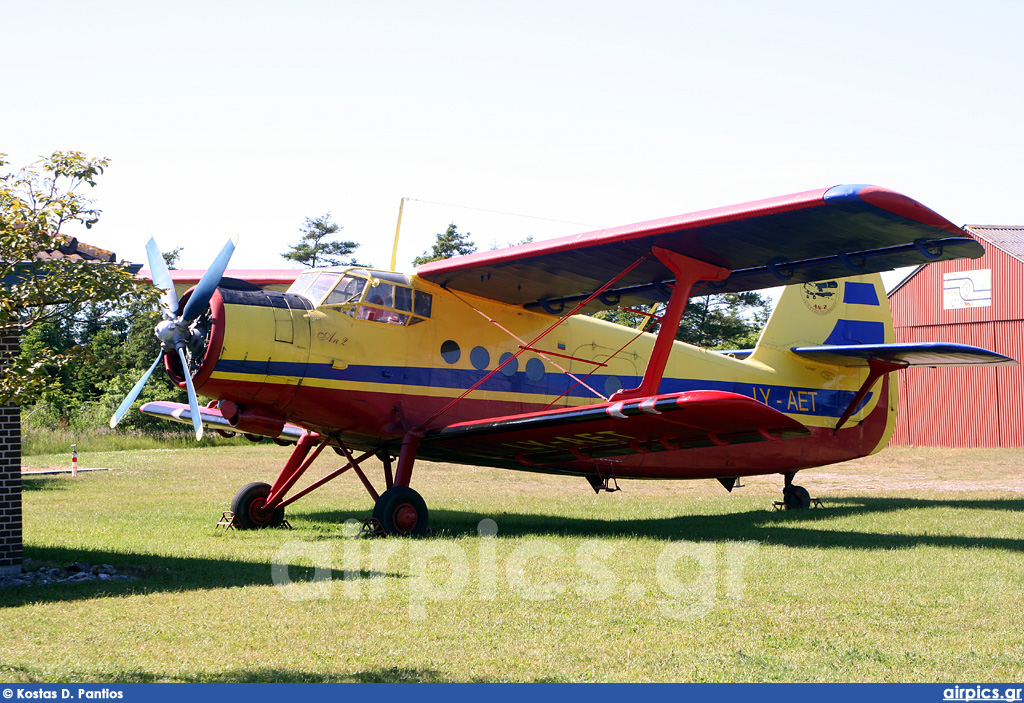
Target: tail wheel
(250, 511)
(796, 497)
(401, 511)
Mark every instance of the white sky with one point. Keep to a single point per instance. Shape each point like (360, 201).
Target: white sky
(245, 118)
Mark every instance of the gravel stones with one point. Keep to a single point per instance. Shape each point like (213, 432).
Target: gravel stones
(71, 573)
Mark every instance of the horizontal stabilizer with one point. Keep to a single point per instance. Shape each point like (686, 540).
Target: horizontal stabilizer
(615, 429)
(911, 354)
(211, 418)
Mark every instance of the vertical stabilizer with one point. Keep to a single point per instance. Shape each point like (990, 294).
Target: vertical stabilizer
(842, 312)
(839, 311)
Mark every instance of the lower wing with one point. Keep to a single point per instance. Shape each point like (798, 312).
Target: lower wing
(654, 424)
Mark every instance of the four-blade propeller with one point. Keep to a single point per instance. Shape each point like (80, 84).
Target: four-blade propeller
(174, 330)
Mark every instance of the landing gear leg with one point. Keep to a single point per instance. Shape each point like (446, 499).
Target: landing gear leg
(400, 510)
(795, 497)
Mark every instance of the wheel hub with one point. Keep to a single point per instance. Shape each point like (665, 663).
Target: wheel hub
(405, 517)
(258, 511)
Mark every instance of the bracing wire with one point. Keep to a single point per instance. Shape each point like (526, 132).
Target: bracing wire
(500, 212)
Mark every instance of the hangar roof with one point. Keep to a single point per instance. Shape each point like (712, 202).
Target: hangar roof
(1008, 238)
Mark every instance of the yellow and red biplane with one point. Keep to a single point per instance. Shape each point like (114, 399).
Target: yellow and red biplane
(486, 360)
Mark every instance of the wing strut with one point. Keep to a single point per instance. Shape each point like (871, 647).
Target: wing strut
(876, 369)
(688, 272)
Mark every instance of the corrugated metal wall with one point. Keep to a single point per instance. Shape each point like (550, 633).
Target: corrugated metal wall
(963, 407)
(1010, 381)
(948, 407)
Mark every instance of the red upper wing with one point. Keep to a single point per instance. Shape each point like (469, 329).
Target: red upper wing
(817, 235)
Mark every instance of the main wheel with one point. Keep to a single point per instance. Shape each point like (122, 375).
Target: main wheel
(249, 508)
(796, 497)
(401, 511)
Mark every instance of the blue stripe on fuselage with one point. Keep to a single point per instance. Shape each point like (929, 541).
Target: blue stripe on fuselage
(792, 400)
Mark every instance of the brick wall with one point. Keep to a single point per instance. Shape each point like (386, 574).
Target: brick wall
(10, 473)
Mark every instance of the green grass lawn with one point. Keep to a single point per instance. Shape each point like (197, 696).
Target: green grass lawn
(912, 572)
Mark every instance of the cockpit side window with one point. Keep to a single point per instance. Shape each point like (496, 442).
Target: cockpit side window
(379, 305)
(403, 298)
(423, 302)
(348, 290)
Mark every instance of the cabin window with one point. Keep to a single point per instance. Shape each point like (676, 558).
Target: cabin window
(511, 367)
(535, 370)
(450, 351)
(480, 358)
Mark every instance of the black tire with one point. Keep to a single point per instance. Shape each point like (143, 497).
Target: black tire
(250, 514)
(796, 497)
(401, 511)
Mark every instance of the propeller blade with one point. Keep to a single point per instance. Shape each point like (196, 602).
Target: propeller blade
(126, 404)
(162, 279)
(200, 298)
(193, 402)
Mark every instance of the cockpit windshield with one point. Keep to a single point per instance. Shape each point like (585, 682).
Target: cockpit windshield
(374, 296)
(313, 284)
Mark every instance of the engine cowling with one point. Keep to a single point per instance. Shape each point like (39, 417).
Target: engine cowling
(250, 420)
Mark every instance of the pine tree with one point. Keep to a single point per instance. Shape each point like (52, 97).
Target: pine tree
(449, 243)
(316, 248)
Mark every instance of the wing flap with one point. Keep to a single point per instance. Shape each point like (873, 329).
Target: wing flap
(657, 423)
(911, 354)
(210, 417)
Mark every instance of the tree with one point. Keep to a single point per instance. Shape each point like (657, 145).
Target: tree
(171, 257)
(449, 243)
(724, 320)
(720, 321)
(315, 248)
(37, 202)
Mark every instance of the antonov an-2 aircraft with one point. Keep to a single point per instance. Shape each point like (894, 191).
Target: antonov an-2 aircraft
(486, 360)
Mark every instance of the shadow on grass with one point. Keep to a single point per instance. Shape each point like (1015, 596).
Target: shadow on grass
(811, 528)
(391, 674)
(808, 529)
(45, 482)
(262, 675)
(153, 573)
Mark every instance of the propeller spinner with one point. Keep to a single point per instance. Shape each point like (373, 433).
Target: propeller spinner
(175, 331)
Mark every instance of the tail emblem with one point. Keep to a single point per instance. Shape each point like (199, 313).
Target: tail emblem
(821, 297)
